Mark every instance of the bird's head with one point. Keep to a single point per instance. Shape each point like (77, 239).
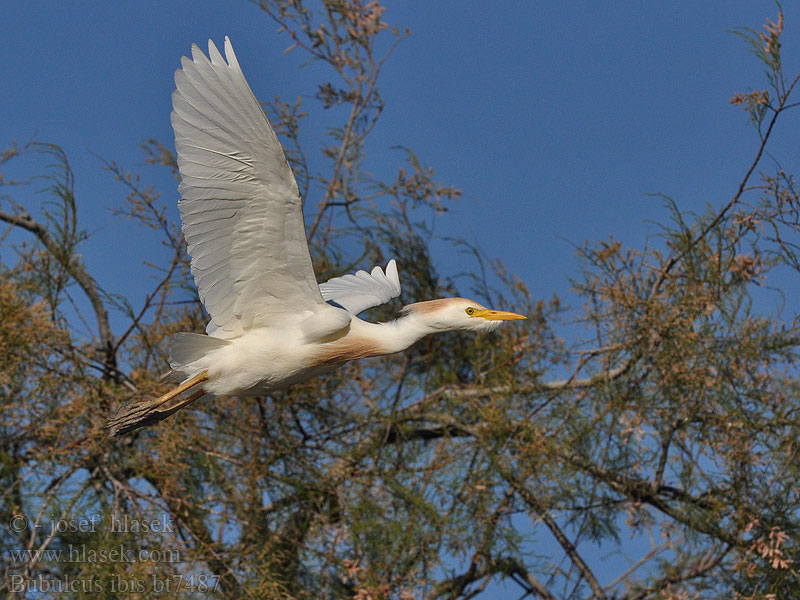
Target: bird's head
(448, 314)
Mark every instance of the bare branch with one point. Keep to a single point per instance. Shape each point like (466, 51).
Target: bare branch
(569, 548)
(454, 587)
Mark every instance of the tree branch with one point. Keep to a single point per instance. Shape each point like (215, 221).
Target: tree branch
(506, 565)
(79, 273)
(531, 500)
(707, 562)
(664, 271)
(642, 491)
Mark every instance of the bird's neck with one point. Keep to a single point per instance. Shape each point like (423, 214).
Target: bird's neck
(401, 333)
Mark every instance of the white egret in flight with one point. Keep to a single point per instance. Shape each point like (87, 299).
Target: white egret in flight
(271, 324)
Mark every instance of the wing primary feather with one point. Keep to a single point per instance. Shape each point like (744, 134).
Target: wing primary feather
(240, 205)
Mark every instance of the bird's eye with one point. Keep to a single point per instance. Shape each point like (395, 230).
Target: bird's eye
(470, 311)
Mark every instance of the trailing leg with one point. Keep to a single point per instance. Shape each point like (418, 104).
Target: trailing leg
(131, 417)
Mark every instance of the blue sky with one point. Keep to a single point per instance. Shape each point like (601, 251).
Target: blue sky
(556, 119)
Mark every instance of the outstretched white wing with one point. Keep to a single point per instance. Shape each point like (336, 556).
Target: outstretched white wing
(358, 292)
(240, 205)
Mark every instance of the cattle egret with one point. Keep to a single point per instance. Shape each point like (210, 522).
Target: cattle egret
(271, 324)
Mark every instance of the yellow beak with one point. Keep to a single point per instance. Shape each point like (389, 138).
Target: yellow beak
(499, 315)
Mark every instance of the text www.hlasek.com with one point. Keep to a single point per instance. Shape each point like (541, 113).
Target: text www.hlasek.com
(81, 554)
(24, 558)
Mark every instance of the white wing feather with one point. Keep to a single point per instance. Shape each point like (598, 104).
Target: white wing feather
(240, 205)
(358, 292)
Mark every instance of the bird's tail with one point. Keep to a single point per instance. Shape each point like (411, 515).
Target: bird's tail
(147, 411)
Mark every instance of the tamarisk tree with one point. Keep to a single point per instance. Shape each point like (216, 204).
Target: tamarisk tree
(439, 472)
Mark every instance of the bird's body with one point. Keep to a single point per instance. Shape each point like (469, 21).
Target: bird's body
(279, 357)
(272, 325)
